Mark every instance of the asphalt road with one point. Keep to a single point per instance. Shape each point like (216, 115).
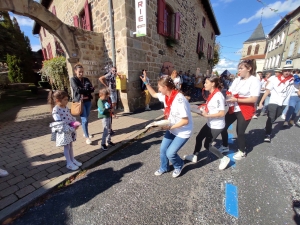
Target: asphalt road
(124, 190)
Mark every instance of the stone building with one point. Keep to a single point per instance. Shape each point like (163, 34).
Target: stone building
(189, 23)
(283, 43)
(254, 47)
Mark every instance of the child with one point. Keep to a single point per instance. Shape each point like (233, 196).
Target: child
(146, 92)
(104, 112)
(63, 131)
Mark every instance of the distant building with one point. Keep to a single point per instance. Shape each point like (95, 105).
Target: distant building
(255, 47)
(283, 44)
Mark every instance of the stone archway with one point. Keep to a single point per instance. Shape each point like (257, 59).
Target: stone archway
(81, 45)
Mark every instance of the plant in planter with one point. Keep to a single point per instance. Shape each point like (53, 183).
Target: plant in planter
(171, 42)
(56, 72)
(201, 55)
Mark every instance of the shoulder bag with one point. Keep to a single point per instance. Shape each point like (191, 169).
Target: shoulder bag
(77, 107)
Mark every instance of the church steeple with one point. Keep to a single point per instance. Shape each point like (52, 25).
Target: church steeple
(258, 34)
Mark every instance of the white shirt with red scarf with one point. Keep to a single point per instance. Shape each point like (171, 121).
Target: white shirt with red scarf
(280, 92)
(245, 88)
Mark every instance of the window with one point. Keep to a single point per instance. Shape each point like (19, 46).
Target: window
(273, 62)
(168, 22)
(44, 32)
(84, 21)
(266, 63)
(59, 50)
(274, 44)
(256, 49)
(269, 63)
(41, 38)
(249, 50)
(200, 43)
(282, 38)
(291, 50)
(203, 22)
(49, 50)
(44, 54)
(270, 46)
(212, 36)
(277, 61)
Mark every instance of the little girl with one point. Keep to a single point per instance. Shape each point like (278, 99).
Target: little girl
(63, 129)
(104, 112)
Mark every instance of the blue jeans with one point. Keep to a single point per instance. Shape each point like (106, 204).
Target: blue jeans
(85, 117)
(169, 147)
(293, 108)
(266, 103)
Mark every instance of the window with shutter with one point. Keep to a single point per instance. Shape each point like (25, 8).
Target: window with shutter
(44, 54)
(41, 37)
(76, 21)
(177, 26)
(202, 44)
(54, 10)
(161, 5)
(249, 50)
(256, 49)
(291, 50)
(203, 22)
(49, 51)
(44, 32)
(198, 43)
(87, 16)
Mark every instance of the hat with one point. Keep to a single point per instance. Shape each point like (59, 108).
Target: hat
(278, 70)
(259, 72)
(288, 67)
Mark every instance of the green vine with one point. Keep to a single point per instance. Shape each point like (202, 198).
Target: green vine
(55, 70)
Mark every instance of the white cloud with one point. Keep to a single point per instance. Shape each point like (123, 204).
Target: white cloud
(226, 1)
(225, 64)
(35, 47)
(281, 7)
(23, 21)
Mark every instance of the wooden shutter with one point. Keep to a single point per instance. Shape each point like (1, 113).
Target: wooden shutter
(49, 51)
(44, 32)
(54, 10)
(177, 26)
(44, 54)
(41, 37)
(161, 5)
(87, 16)
(76, 21)
(202, 44)
(198, 43)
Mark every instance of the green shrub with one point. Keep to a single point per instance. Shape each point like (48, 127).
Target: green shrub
(15, 73)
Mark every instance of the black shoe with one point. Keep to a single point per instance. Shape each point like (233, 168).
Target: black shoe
(111, 143)
(267, 138)
(111, 132)
(104, 147)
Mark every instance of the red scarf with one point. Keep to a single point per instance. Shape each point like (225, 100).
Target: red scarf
(168, 101)
(247, 109)
(208, 99)
(282, 81)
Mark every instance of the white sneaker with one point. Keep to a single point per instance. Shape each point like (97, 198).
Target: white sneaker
(90, 136)
(192, 158)
(77, 163)
(283, 116)
(88, 141)
(224, 162)
(254, 117)
(72, 167)
(147, 109)
(3, 173)
(223, 149)
(239, 155)
(298, 122)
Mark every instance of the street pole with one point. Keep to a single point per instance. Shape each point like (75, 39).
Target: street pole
(112, 32)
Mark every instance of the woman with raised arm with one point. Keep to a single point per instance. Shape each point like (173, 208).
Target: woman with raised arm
(177, 112)
(241, 98)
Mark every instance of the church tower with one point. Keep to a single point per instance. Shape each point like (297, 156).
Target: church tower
(255, 47)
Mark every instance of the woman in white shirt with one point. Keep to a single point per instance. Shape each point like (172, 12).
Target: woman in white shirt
(241, 97)
(177, 111)
(214, 111)
(176, 79)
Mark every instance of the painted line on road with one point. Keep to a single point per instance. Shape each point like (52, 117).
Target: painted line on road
(232, 160)
(230, 138)
(230, 127)
(231, 200)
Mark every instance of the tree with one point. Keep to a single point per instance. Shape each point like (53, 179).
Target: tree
(216, 54)
(15, 73)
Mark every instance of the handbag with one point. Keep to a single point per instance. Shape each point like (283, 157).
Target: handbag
(77, 108)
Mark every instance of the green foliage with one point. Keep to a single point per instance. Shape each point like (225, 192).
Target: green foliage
(15, 73)
(216, 72)
(56, 71)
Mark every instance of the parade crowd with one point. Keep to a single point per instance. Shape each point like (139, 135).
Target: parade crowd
(247, 96)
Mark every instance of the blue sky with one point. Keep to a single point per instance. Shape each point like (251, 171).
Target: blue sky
(237, 19)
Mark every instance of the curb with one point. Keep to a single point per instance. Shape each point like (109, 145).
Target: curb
(16, 207)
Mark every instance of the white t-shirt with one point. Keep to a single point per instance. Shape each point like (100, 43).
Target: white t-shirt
(177, 81)
(245, 88)
(180, 108)
(263, 84)
(280, 94)
(216, 104)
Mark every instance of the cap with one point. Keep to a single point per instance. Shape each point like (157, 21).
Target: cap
(288, 67)
(259, 72)
(278, 70)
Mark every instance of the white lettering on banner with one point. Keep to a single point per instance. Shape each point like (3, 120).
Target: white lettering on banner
(140, 18)
(91, 73)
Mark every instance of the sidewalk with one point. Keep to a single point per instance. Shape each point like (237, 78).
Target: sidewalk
(35, 165)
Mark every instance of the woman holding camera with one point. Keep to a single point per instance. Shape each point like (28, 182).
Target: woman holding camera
(82, 89)
(214, 111)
